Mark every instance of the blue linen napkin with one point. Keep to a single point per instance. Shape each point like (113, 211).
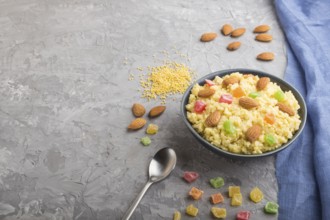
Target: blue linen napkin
(303, 170)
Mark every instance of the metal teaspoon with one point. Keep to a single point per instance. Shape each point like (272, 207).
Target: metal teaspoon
(160, 167)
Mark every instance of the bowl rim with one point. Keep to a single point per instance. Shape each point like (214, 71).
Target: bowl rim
(282, 83)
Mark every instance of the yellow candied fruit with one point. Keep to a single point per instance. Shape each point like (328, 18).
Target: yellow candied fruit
(152, 129)
(192, 210)
(177, 215)
(233, 190)
(237, 199)
(195, 193)
(219, 212)
(256, 195)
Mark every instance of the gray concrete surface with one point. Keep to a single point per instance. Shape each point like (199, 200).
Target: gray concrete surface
(65, 104)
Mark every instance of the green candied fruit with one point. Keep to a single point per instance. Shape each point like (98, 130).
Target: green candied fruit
(254, 95)
(217, 182)
(229, 127)
(279, 95)
(271, 208)
(145, 141)
(270, 139)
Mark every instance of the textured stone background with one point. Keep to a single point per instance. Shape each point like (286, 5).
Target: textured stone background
(65, 104)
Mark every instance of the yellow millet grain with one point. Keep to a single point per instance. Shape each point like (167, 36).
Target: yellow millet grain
(168, 79)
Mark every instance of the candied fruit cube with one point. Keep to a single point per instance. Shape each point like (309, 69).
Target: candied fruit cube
(279, 95)
(226, 98)
(271, 208)
(152, 129)
(199, 106)
(219, 212)
(254, 95)
(191, 210)
(217, 182)
(247, 75)
(256, 195)
(238, 92)
(270, 118)
(190, 176)
(177, 215)
(233, 190)
(270, 139)
(229, 127)
(195, 193)
(209, 82)
(216, 198)
(243, 215)
(145, 141)
(237, 199)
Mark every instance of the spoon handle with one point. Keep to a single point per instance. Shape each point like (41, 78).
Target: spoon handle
(131, 209)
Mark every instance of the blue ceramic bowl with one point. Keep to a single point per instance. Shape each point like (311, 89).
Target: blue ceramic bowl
(284, 86)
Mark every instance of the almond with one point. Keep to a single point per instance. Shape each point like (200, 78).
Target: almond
(264, 37)
(253, 133)
(138, 110)
(266, 56)
(262, 83)
(206, 37)
(238, 32)
(230, 80)
(206, 92)
(261, 28)
(234, 45)
(248, 103)
(213, 119)
(156, 111)
(226, 29)
(137, 124)
(285, 108)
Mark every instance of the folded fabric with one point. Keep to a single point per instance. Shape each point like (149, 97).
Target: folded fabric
(303, 170)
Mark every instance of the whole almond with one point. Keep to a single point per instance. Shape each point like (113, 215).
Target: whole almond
(206, 92)
(230, 80)
(234, 45)
(253, 133)
(264, 37)
(156, 111)
(285, 108)
(261, 28)
(238, 32)
(137, 124)
(138, 110)
(206, 37)
(226, 29)
(248, 103)
(262, 83)
(213, 119)
(266, 56)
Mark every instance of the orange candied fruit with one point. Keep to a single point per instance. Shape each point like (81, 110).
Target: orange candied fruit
(238, 92)
(195, 193)
(270, 118)
(217, 198)
(247, 75)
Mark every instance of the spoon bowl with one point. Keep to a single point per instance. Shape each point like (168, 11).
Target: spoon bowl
(160, 167)
(162, 164)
